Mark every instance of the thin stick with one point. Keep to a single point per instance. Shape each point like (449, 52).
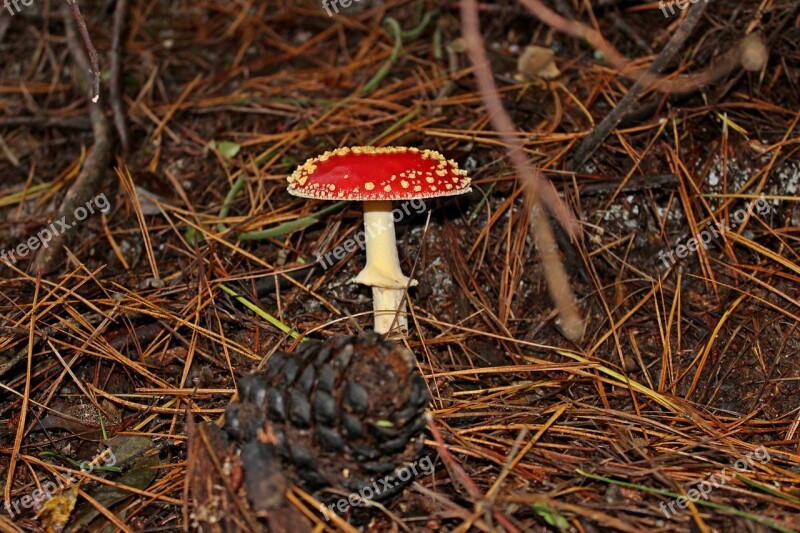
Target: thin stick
(115, 83)
(750, 52)
(90, 179)
(503, 124)
(538, 189)
(87, 42)
(592, 141)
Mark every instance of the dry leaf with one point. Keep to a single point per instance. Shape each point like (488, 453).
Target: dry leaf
(56, 511)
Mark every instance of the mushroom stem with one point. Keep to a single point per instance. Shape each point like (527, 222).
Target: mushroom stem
(382, 271)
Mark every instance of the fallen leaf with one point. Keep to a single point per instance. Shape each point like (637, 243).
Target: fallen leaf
(138, 452)
(228, 149)
(56, 512)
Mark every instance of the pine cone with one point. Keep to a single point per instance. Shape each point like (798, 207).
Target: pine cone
(341, 413)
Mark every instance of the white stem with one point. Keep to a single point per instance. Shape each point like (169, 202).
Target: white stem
(382, 271)
(389, 309)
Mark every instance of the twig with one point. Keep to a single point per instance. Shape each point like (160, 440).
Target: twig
(238, 185)
(538, 189)
(115, 83)
(277, 231)
(91, 176)
(592, 141)
(502, 122)
(260, 312)
(750, 53)
(661, 492)
(570, 322)
(87, 42)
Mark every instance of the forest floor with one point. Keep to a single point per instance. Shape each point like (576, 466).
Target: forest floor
(183, 263)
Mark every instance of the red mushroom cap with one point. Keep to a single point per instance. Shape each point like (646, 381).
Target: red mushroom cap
(369, 173)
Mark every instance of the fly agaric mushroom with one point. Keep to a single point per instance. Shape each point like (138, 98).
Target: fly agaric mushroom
(377, 176)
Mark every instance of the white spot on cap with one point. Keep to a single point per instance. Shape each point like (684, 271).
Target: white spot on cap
(369, 185)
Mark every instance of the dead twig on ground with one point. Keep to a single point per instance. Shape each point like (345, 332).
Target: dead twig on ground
(750, 53)
(90, 179)
(538, 190)
(94, 64)
(592, 141)
(115, 83)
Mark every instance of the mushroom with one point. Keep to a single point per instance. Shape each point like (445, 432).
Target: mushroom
(377, 176)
